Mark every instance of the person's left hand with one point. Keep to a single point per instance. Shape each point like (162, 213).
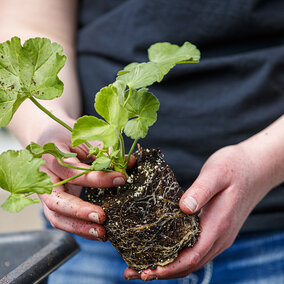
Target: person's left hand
(228, 187)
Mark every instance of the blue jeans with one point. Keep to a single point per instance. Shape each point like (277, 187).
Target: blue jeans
(254, 258)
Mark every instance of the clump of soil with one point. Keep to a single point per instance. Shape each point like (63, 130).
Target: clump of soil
(144, 222)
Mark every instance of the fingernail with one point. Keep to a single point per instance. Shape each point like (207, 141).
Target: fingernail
(118, 181)
(93, 232)
(94, 217)
(190, 203)
(133, 277)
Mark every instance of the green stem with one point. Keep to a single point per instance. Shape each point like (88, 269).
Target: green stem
(131, 150)
(88, 144)
(122, 148)
(68, 179)
(129, 95)
(71, 166)
(41, 107)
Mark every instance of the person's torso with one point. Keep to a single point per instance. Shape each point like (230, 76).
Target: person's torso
(236, 90)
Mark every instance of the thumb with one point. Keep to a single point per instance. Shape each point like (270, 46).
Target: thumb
(209, 182)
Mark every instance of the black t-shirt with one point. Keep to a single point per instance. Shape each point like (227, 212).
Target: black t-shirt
(234, 92)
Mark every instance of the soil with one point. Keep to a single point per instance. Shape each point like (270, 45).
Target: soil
(144, 222)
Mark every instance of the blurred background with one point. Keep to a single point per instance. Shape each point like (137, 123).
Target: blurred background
(29, 218)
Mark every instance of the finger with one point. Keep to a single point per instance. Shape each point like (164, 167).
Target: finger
(216, 249)
(220, 245)
(91, 179)
(73, 189)
(71, 206)
(185, 260)
(210, 181)
(131, 162)
(205, 261)
(131, 274)
(82, 150)
(87, 230)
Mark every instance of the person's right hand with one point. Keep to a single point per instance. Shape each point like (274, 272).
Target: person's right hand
(63, 207)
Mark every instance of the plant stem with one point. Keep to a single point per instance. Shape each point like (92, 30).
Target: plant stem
(41, 107)
(72, 167)
(129, 95)
(131, 150)
(88, 144)
(68, 179)
(122, 148)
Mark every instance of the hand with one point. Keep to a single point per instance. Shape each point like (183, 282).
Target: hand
(63, 207)
(228, 187)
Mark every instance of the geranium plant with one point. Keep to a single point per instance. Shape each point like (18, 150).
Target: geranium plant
(126, 107)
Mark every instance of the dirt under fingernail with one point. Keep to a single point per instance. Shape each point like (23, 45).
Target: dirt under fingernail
(94, 217)
(93, 232)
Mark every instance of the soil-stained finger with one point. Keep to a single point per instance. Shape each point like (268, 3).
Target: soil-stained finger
(95, 179)
(68, 205)
(87, 230)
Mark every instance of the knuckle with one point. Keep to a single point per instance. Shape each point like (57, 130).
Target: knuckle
(227, 222)
(195, 259)
(81, 229)
(77, 229)
(100, 183)
(51, 203)
(100, 179)
(77, 214)
(68, 172)
(48, 203)
(224, 226)
(163, 274)
(204, 191)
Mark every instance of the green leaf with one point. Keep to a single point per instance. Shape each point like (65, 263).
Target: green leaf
(167, 55)
(108, 105)
(94, 150)
(115, 154)
(16, 202)
(127, 68)
(49, 148)
(19, 174)
(142, 107)
(28, 70)
(142, 75)
(163, 56)
(101, 164)
(9, 103)
(103, 152)
(120, 88)
(92, 128)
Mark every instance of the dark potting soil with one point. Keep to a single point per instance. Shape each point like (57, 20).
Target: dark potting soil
(144, 222)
